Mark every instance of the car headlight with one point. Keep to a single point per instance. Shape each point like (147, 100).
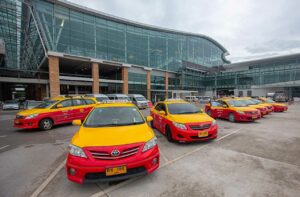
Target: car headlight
(150, 144)
(76, 151)
(179, 125)
(214, 123)
(240, 112)
(31, 116)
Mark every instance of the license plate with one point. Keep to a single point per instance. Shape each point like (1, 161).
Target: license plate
(253, 117)
(203, 134)
(116, 170)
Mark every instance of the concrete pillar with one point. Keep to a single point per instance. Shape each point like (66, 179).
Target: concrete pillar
(148, 84)
(54, 76)
(95, 75)
(166, 84)
(125, 80)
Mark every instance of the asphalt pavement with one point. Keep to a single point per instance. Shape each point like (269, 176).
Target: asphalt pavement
(247, 159)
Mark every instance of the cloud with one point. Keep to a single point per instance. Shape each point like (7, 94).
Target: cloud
(246, 28)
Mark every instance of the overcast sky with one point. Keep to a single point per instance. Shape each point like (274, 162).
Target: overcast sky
(248, 29)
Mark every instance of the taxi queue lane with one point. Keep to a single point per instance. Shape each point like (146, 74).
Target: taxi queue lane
(170, 152)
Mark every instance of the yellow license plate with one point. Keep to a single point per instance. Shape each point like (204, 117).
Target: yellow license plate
(253, 117)
(203, 134)
(116, 170)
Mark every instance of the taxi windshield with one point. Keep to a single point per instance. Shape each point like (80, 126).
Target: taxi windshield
(270, 101)
(236, 103)
(46, 104)
(183, 108)
(248, 102)
(101, 99)
(257, 101)
(114, 116)
(215, 104)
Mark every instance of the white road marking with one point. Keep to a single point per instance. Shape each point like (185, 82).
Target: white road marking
(3, 147)
(115, 187)
(3, 135)
(163, 155)
(48, 180)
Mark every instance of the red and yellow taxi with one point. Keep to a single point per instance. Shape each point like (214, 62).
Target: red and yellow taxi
(250, 103)
(60, 110)
(181, 121)
(269, 107)
(231, 109)
(113, 143)
(277, 107)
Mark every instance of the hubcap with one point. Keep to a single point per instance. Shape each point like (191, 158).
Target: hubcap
(47, 124)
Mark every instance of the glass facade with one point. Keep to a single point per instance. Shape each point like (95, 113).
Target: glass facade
(77, 33)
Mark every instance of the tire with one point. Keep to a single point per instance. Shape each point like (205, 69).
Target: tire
(169, 134)
(46, 124)
(209, 112)
(231, 117)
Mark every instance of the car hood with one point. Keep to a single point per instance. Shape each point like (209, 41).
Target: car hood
(30, 111)
(244, 108)
(112, 136)
(191, 118)
(279, 104)
(256, 106)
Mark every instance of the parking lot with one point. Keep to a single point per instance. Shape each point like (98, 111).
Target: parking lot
(247, 159)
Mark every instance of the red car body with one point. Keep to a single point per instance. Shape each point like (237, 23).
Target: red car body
(219, 111)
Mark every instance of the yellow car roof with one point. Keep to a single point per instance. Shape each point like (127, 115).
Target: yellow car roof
(168, 101)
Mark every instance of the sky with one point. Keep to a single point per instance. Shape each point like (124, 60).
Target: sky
(248, 29)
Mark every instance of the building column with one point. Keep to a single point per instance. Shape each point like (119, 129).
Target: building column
(54, 76)
(125, 80)
(148, 76)
(95, 75)
(166, 84)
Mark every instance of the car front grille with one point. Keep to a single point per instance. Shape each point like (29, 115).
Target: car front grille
(200, 127)
(105, 155)
(251, 112)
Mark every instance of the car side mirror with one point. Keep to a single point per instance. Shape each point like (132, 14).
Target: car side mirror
(201, 110)
(59, 106)
(162, 113)
(76, 122)
(149, 118)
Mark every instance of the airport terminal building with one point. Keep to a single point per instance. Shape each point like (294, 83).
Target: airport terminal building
(50, 47)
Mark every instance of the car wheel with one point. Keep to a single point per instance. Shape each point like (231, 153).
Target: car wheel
(231, 117)
(46, 124)
(208, 112)
(169, 134)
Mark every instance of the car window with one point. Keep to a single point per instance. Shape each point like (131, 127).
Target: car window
(89, 101)
(66, 103)
(77, 102)
(163, 107)
(216, 104)
(183, 108)
(158, 107)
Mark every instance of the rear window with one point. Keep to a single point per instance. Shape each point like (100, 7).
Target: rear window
(89, 101)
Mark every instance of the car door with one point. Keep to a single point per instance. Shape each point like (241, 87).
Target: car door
(225, 109)
(216, 109)
(161, 120)
(156, 117)
(62, 114)
(78, 110)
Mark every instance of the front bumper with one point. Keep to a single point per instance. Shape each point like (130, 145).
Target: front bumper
(190, 135)
(247, 117)
(23, 123)
(280, 108)
(91, 171)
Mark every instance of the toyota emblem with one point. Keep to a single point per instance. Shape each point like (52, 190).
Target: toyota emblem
(115, 153)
